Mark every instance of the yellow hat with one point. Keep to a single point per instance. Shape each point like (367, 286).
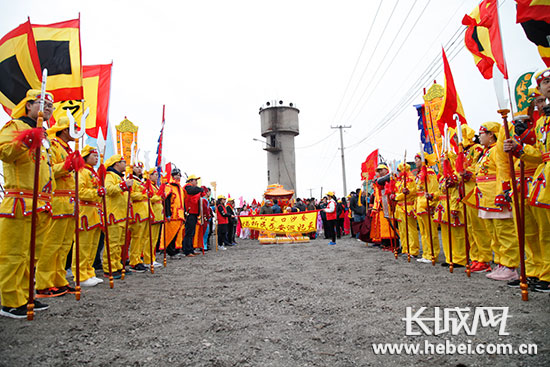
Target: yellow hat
(491, 126)
(32, 94)
(60, 125)
(152, 170)
(403, 165)
(382, 166)
(113, 159)
(330, 193)
(221, 197)
(230, 199)
(468, 135)
(192, 177)
(533, 92)
(539, 77)
(87, 150)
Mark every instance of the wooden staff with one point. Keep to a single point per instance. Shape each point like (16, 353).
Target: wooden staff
(405, 201)
(395, 248)
(426, 194)
(519, 212)
(105, 223)
(164, 231)
(150, 186)
(200, 221)
(34, 215)
(461, 153)
(447, 198)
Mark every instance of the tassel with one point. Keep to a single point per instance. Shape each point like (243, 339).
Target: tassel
(74, 161)
(460, 163)
(102, 172)
(32, 138)
(447, 169)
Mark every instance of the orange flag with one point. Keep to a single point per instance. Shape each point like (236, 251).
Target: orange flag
(368, 167)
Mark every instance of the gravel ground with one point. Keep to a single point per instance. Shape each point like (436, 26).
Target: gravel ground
(272, 305)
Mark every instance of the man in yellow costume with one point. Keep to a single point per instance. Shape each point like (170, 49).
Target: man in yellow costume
(116, 191)
(406, 192)
(16, 208)
(140, 217)
(175, 216)
(496, 213)
(90, 193)
(478, 235)
(448, 191)
(50, 269)
(157, 218)
(539, 194)
(423, 212)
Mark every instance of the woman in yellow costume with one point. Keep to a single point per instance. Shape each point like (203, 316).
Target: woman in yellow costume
(90, 193)
(408, 192)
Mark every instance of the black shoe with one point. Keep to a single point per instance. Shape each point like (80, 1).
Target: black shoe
(445, 264)
(14, 312)
(542, 286)
(139, 268)
(514, 283)
(69, 289)
(39, 306)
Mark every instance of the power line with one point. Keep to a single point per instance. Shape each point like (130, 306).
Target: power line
(370, 58)
(357, 61)
(387, 52)
(320, 141)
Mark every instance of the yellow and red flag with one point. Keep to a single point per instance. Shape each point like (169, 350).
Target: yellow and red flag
(19, 66)
(368, 167)
(301, 222)
(97, 89)
(483, 39)
(59, 51)
(534, 17)
(451, 102)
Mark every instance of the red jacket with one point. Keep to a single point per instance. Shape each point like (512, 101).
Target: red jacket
(221, 214)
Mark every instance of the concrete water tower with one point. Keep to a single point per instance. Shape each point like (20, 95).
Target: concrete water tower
(279, 127)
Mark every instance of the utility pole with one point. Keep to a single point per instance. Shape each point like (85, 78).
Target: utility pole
(342, 127)
(310, 193)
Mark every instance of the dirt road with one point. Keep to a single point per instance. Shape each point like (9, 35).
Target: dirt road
(273, 305)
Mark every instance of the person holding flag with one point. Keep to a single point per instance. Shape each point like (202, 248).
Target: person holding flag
(426, 187)
(140, 215)
(116, 195)
(90, 193)
(539, 193)
(50, 269)
(18, 139)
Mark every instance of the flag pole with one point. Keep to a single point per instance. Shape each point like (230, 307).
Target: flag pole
(405, 201)
(520, 219)
(462, 195)
(102, 149)
(427, 193)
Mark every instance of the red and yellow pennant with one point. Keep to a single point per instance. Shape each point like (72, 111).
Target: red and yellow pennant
(59, 51)
(301, 222)
(534, 17)
(19, 66)
(483, 39)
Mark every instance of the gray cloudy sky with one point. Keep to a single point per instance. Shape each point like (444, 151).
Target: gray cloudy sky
(214, 63)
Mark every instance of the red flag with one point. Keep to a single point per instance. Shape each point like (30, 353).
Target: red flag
(368, 167)
(100, 76)
(451, 102)
(483, 38)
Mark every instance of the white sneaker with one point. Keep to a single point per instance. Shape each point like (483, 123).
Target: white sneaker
(99, 280)
(156, 264)
(222, 248)
(90, 282)
(425, 261)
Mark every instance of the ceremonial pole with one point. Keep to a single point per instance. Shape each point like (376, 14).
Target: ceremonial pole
(34, 215)
(447, 174)
(405, 201)
(520, 220)
(127, 223)
(101, 147)
(461, 171)
(76, 135)
(426, 194)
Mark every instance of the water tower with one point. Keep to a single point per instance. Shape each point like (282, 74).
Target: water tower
(279, 127)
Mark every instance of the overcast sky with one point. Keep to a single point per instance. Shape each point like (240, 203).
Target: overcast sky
(214, 63)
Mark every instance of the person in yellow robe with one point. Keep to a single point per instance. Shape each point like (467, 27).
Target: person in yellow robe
(448, 189)
(50, 269)
(157, 217)
(16, 207)
(140, 217)
(424, 213)
(497, 215)
(406, 192)
(90, 193)
(480, 248)
(116, 196)
(539, 193)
